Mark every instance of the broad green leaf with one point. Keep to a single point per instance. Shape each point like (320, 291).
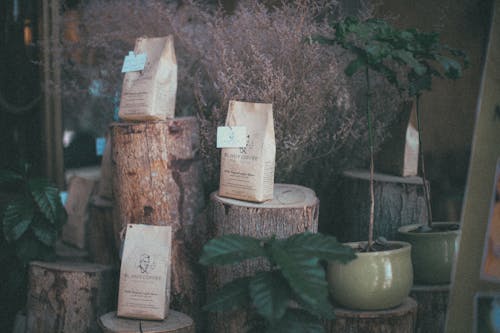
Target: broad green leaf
(44, 232)
(231, 249)
(320, 246)
(305, 276)
(354, 66)
(407, 58)
(29, 248)
(8, 176)
(46, 197)
(231, 296)
(270, 294)
(297, 321)
(17, 218)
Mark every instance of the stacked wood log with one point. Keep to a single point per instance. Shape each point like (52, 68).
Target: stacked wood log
(157, 181)
(175, 323)
(293, 210)
(68, 297)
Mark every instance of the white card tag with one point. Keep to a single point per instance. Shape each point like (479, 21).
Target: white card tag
(231, 137)
(134, 62)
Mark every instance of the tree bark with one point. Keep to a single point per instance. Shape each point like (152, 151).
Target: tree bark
(293, 210)
(102, 238)
(398, 201)
(175, 323)
(157, 180)
(432, 307)
(68, 297)
(397, 320)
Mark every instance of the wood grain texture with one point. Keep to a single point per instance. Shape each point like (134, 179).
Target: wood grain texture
(432, 306)
(398, 201)
(175, 323)
(157, 180)
(400, 319)
(68, 297)
(293, 210)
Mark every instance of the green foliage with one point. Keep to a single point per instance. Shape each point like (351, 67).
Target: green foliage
(296, 276)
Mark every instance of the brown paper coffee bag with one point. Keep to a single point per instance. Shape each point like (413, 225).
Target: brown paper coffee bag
(144, 291)
(247, 173)
(150, 94)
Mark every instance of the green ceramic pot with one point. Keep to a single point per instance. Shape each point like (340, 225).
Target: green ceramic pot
(374, 280)
(433, 253)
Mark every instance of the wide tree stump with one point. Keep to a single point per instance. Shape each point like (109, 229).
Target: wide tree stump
(432, 306)
(157, 180)
(294, 209)
(400, 319)
(102, 236)
(176, 322)
(68, 297)
(398, 201)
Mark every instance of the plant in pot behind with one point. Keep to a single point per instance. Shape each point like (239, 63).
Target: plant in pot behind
(434, 245)
(292, 295)
(31, 220)
(381, 276)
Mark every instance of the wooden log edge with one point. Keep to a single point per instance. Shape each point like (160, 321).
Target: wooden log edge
(408, 306)
(175, 322)
(380, 177)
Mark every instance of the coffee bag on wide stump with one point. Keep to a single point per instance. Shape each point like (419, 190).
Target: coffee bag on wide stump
(175, 323)
(157, 181)
(400, 319)
(68, 297)
(294, 209)
(400, 201)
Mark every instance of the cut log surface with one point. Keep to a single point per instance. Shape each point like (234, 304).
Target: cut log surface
(102, 238)
(398, 201)
(157, 180)
(294, 209)
(176, 322)
(400, 319)
(68, 297)
(432, 306)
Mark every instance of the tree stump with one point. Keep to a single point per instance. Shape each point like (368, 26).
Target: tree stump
(294, 209)
(157, 180)
(398, 201)
(400, 319)
(68, 297)
(102, 238)
(176, 322)
(432, 306)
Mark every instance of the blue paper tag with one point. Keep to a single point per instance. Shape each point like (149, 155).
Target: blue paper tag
(64, 197)
(134, 62)
(100, 144)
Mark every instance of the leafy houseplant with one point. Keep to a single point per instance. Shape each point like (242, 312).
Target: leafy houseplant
(31, 221)
(292, 294)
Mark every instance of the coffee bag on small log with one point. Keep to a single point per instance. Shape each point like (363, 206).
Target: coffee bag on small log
(247, 173)
(144, 291)
(149, 94)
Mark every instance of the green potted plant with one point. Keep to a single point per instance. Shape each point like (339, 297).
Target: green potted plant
(32, 219)
(381, 276)
(292, 295)
(434, 244)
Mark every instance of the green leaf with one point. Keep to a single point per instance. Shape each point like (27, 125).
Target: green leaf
(231, 296)
(43, 231)
(231, 249)
(320, 246)
(297, 321)
(29, 249)
(8, 176)
(46, 197)
(270, 294)
(452, 68)
(305, 276)
(409, 59)
(17, 218)
(354, 66)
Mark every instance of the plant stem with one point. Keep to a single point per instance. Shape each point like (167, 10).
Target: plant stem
(370, 136)
(422, 164)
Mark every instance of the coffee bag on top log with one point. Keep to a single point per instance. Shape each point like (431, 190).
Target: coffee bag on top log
(149, 94)
(247, 173)
(144, 291)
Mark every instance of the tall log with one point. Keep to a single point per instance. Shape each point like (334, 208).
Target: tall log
(400, 319)
(157, 180)
(176, 322)
(294, 209)
(399, 201)
(68, 297)
(432, 306)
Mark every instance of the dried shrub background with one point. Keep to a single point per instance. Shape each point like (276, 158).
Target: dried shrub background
(258, 53)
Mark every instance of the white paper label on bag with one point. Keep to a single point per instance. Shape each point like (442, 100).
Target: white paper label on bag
(231, 136)
(134, 62)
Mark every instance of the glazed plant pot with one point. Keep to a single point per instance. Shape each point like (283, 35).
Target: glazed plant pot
(433, 253)
(374, 280)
